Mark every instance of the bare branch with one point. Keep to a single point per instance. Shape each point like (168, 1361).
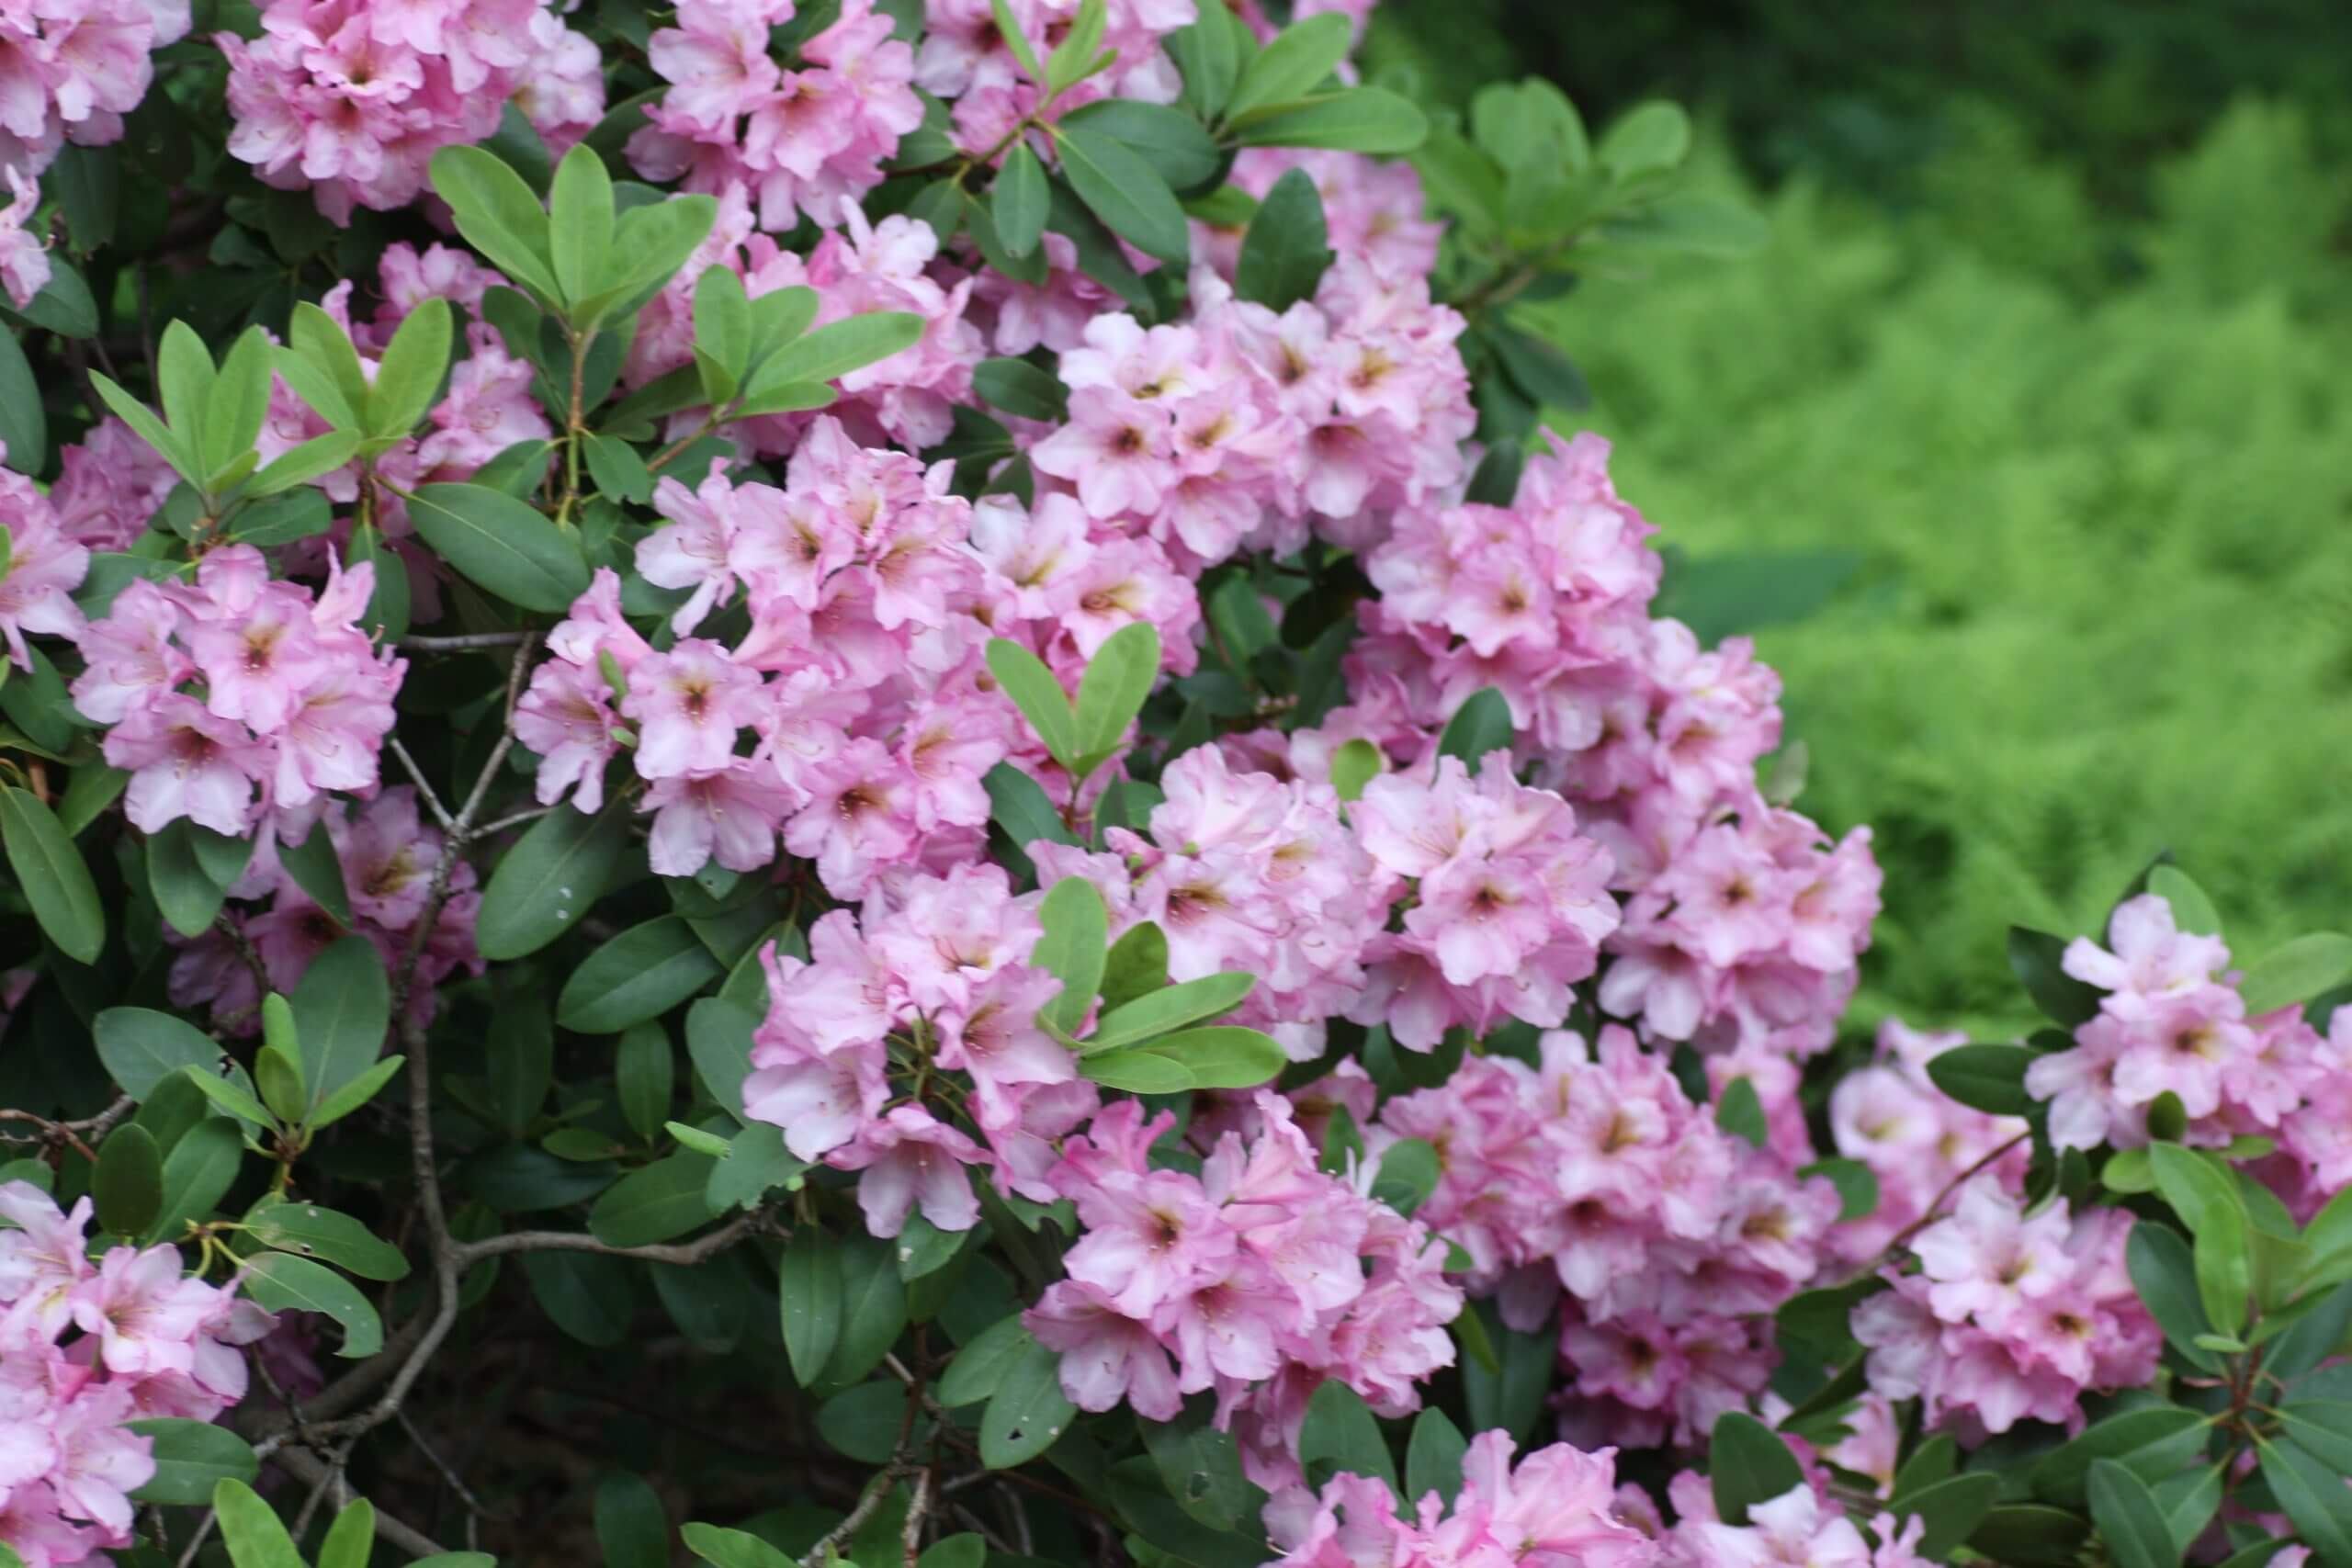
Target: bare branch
(470, 642)
(431, 797)
(687, 1252)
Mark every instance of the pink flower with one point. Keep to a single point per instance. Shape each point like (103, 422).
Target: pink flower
(184, 761)
(688, 703)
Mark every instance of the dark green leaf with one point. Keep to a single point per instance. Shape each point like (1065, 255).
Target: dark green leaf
(2129, 1518)
(583, 1293)
(639, 975)
(1951, 1509)
(1028, 1412)
(342, 1008)
(2038, 959)
(1409, 1174)
(1508, 1395)
(1178, 149)
(1856, 1185)
(283, 1282)
(140, 1048)
(561, 864)
(1020, 388)
(1984, 1077)
(501, 544)
(24, 423)
(128, 1184)
(1126, 193)
(631, 1526)
(1291, 65)
(308, 1231)
(1340, 1435)
(1433, 1456)
(1019, 201)
(2151, 1443)
(1287, 246)
(191, 1459)
(1136, 965)
(981, 1365)
(663, 1200)
(1480, 726)
(718, 1039)
(2164, 1272)
(873, 1309)
(1360, 120)
(1201, 1466)
(1741, 1113)
(1748, 1463)
(51, 874)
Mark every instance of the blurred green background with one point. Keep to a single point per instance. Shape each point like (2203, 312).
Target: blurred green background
(2040, 402)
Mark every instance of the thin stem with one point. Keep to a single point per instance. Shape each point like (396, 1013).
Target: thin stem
(1929, 1216)
(467, 643)
(424, 786)
(683, 1252)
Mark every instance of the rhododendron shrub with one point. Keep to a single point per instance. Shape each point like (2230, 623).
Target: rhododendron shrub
(853, 775)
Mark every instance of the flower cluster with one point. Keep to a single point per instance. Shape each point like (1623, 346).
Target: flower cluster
(295, 699)
(84, 1348)
(73, 71)
(1510, 902)
(23, 259)
(2010, 1315)
(852, 1058)
(387, 856)
(1742, 924)
(872, 593)
(1240, 427)
(806, 141)
(1245, 872)
(110, 482)
(965, 58)
(1593, 1177)
(1259, 1279)
(351, 99)
(1554, 1509)
(1915, 1139)
(2172, 1022)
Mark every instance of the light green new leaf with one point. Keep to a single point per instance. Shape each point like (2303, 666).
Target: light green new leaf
(2297, 971)
(409, 375)
(251, 1528)
(1039, 697)
(1112, 692)
(1297, 62)
(1072, 949)
(1361, 119)
(336, 385)
(1170, 1008)
(239, 401)
(1649, 138)
(498, 215)
(835, 350)
(299, 465)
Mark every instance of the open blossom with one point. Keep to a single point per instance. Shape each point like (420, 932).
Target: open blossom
(72, 72)
(1557, 1508)
(1257, 1279)
(85, 1348)
(1915, 1140)
(42, 567)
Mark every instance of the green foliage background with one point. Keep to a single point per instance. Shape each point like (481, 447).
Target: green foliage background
(2054, 409)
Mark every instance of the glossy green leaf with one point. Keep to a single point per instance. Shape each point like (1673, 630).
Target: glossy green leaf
(834, 350)
(343, 1008)
(283, 1282)
(1748, 1463)
(2151, 1443)
(1287, 246)
(1170, 1007)
(640, 974)
(408, 378)
(1118, 680)
(1340, 1435)
(2038, 960)
(1031, 686)
(308, 1231)
(580, 223)
(1220, 1057)
(250, 1527)
(1028, 1412)
(1361, 119)
(501, 545)
(545, 883)
(52, 876)
(663, 1200)
(1984, 1077)
(2129, 1518)
(2163, 1272)
(1136, 965)
(1018, 202)
(1126, 193)
(498, 215)
(1482, 725)
(191, 1459)
(1178, 147)
(1293, 64)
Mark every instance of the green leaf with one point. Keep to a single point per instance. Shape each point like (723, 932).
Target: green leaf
(2192, 910)
(831, 352)
(1098, 255)
(232, 1097)
(167, 442)
(278, 1077)
(1126, 193)
(184, 378)
(1020, 388)
(1136, 965)
(1178, 149)
(343, 1008)
(631, 1526)
(1361, 119)
(2129, 1518)
(1221, 1057)
(2315, 1337)
(1856, 1185)
(718, 1041)
(498, 215)
(2031, 1536)
(238, 402)
(585, 1295)
(1008, 28)
(651, 242)
(1073, 949)
(981, 1366)
(2205, 1198)
(386, 614)
(251, 1528)
(732, 1549)
(1018, 806)
(1356, 764)
(966, 1550)
(198, 1171)
(191, 1459)
(809, 1286)
(2164, 1273)
(1951, 1509)
(2151, 1443)
(1433, 1456)
(1293, 65)
(283, 1282)
(1741, 1113)
(1112, 692)
(1018, 202)
(1649, 138)
(128, 1183)
(1075, 58)
(501, 544)
(1538, 369)
(1287, 246)
(723, 329)
(351, 1539)
(640, 974)
(1748, 1463)
(756, 1163)
(1340, 1435)
(1208, 53)
(24, 421)
(661, 1200)
(1201, 1466)
(580, 223)
(874, 1310)
(645, 1074)
(1409, 1174)
(51, 874)
(337, 385)
(1028, 1412)
(1480, 726)
(545, 884)
(2038, 960)
(357, 1093)
(410, 374)
(1040, 698)
(1171, 1006)
(1984, 1077)
(2293, 974)
(308, 1231)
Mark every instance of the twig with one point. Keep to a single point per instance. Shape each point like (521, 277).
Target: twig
(491, 829)
(304, 1465)
(51, 1132)
(918, 1510)
(868, 1503)
(424, 787)
(687, 1252)
(1928, 1216)
(474, 1509)
(467, 643)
